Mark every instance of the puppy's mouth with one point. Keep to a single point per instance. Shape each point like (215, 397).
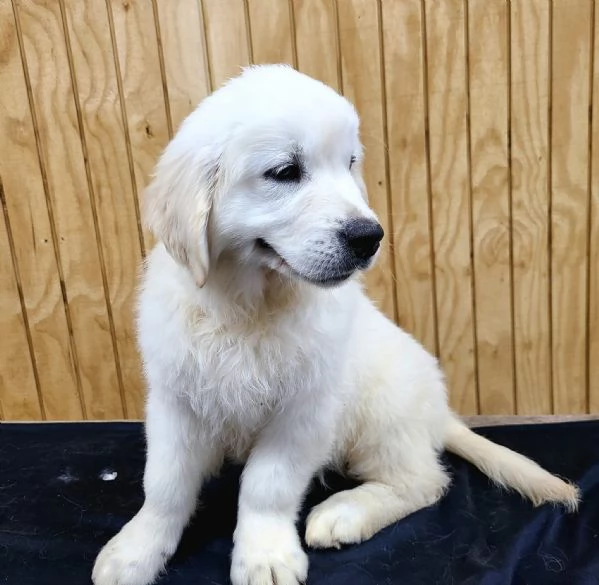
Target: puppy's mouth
(264, 245)
(278, 263)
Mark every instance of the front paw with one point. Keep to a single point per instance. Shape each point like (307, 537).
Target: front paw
(137, 554)
(268, 553)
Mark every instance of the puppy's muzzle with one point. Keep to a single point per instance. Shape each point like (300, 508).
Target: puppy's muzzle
(362, 237)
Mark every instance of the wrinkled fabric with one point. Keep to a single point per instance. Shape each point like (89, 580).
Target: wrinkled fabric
(65, 489)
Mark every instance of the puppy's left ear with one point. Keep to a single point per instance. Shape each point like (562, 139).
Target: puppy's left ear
(177, 206)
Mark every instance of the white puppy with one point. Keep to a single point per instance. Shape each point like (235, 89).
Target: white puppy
(259, 344)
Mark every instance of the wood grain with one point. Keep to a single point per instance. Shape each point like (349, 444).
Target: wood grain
(271, 34)
(18, 388)
(33, 241)
(401, 29)
(480, 162)
(54, 103)
(488, 22)
(593, 284)
(529, 167)
(359, 42)
(133, 28)
(114, 198)
(569, 192)
(317, 42)
(185, 59)
(227, 38)
(449, 184)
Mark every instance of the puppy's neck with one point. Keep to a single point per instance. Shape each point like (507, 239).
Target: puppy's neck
(236, 293)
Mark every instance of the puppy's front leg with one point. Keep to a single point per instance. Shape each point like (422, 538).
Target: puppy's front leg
(177, 462)
(286, 456)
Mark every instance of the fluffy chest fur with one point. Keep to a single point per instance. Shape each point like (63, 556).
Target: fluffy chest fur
(245, 372)
(238, 369)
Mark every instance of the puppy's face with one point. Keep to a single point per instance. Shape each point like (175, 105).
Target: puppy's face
(288, 195)
(297, 204)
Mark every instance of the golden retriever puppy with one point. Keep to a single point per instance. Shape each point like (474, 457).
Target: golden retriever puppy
(259, 344)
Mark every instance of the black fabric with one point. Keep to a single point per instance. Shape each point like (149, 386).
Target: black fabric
(58, 506)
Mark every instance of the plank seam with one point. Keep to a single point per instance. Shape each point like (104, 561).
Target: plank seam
(17, 274)
(470, 202)
(93, 206)
(511, 206)
(207, 45)
(207, 65)
(589, 213)
(50, 210)
(166, 99)
(388, 189)
(429, 188)
(550, 204)
(127, 135)
(338, 58)
(248, 31)
(293, 34)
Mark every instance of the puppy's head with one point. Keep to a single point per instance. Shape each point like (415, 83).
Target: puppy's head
(267, 171)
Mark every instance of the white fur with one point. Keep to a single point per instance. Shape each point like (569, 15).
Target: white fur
(249, 355)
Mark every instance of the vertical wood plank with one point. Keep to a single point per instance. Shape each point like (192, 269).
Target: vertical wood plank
(270, 26)
(53, 100)
(530, 204)
(227, 38)
(449, 177)
(140, 67)
(185, 59)
(488, 74)
(18, 391)
(569, 192)
(114, 198)
(133, 30)
(403, 41)
(32, 237)
(359, 41)
(593, 300)
(316, 40)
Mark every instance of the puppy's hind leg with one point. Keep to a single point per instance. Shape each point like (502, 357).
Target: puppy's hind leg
(355, 515)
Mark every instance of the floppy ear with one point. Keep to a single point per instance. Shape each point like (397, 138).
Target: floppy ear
(177, 207)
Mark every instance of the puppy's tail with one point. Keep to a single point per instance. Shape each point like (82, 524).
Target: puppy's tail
(510, 469)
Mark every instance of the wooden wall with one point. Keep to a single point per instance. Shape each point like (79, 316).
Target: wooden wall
(482, 140)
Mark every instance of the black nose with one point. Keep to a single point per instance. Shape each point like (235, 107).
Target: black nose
(363, 236)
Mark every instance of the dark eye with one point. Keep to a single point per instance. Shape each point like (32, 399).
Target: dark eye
(290, 173)
(352, 160)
